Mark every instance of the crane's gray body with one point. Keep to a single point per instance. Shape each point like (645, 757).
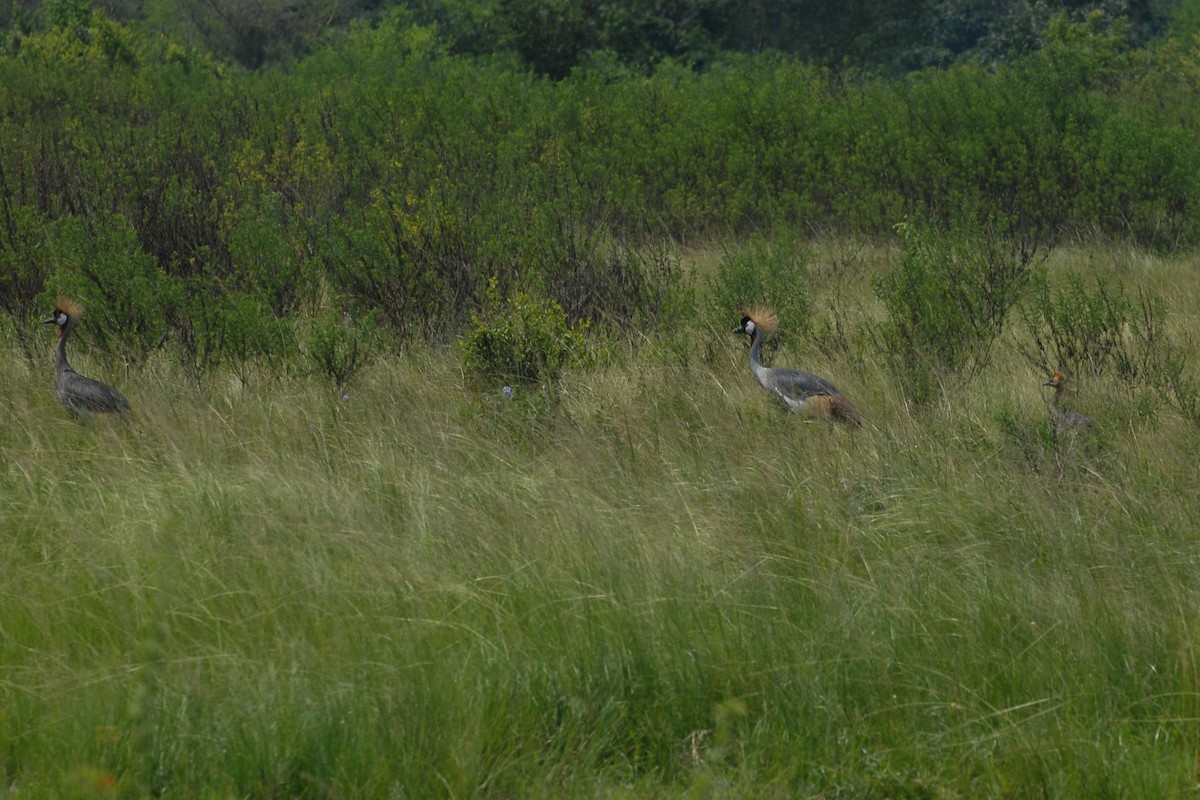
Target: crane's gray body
(80, 395)
(1064, 419)
(800, 391)
(795, 387)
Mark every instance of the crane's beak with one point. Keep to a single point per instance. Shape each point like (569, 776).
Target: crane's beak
(1048, 383)
(739, 329)
(51, 319)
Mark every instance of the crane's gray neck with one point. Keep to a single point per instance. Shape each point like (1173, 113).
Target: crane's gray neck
(1055, 398)
(60, 354)
(756, 365)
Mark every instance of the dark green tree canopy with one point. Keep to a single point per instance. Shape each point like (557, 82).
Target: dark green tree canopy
(552, 37)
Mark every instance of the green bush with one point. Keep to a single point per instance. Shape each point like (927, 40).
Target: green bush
(247, 332)
(339, 345)
(102, 264)
(1088, 325)
(771, 273)
(25, 265)
(407, 258)
(400, 174)
(1138, 177)
(946, 302)
(578, 264)
(214, 327)
(522, 339)
(1177, 387)
(266, 259)
(1076, 328)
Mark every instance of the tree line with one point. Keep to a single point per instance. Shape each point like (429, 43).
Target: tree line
(240, 216)
(552, 37)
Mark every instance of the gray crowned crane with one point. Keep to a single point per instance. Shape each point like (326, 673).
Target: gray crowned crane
(802, 392)
(80, 395)
(1064, 419)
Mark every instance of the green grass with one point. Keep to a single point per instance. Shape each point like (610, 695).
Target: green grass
(658, 585)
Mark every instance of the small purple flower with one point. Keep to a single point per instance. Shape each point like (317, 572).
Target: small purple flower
(508, 392)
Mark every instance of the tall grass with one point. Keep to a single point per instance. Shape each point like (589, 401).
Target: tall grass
(654, 584)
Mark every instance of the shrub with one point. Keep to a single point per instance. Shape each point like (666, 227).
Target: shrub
(946, 301)
(126, 293)
(24, 268)
(523, 339)
(407, 258)
(1084, 325)
(216, 327)
(339, 345)
(265, 253)
(592, 277)
(1180, 390)
(772, 273)
(249, 332)
(1077, 329)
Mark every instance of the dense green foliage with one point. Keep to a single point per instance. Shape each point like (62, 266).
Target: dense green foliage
(761, 273)
(947, 301)
(206, 209)
(554, 36)
(522, 339)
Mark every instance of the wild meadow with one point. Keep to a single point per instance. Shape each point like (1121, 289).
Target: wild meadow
(446, 475)
(654, 583)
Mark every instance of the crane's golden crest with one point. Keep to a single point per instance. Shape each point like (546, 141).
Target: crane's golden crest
(763, 318)
(70, 307)
(1056, 380)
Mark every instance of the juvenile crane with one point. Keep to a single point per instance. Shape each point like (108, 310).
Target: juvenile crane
(1063, 419)
(802, 392)
(80, 395)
